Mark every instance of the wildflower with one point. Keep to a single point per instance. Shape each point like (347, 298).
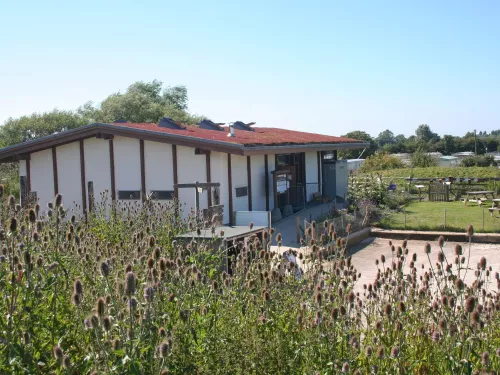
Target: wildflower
(369, 351)
(427, 248)
(13, 224)
(76, 299)
(105, 269)
(149, 294)
(475, 317)
(184, 315)
(66, 362)
(459, 284)
(458, 250)
(380, 352)
(78, 287)
(470, 230)
(132, 304)
(482, 263)
(58, 200)
(440, 257)
(58, 353)
(435, 336)
(345, 367)
(485, 359)
(348, 228)
(106, 322)
(117, 344)
(31, 216)
(130, 283)
(470, 304)
(441, 241)
(395, 352)
(152, 241)
(388, 310)
(163, 350)
(150, 263)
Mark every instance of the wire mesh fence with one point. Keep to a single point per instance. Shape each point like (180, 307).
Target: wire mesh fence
(456, 218)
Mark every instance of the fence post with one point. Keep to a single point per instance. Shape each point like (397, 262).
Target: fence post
(483, 219)
(445, 219)
(404, 211)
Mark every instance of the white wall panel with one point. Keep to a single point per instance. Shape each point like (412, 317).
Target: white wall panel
(218, 170)
(272, 165)
(42, 177)
(69, 176)
(97, 167)
(127, 165)
(159, 166)
(239, 179)
(258, 183)
(191, 168)
(312, 185)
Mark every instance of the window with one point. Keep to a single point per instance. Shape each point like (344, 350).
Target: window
(284, 159)
(162, 194)
(241, 191)
(129, 194)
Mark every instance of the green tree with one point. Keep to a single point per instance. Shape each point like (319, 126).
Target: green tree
(422, 160)
(354, 154)
(381, 161)
(141, 102)
(449, 145)
(385, 137)
(425, 134)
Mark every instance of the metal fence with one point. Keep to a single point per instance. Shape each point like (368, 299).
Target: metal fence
(455, 219)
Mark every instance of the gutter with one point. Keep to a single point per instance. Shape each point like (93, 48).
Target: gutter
(95, 129)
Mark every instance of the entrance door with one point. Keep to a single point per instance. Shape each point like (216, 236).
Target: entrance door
(329, 180)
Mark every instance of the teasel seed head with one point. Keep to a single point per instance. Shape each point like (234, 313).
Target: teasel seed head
(130, 283)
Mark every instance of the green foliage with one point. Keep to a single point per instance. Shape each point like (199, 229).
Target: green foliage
(9, 178)
(421, 159)
(75, 300)
(141, 102)
(479, 161)
(354, 154)
(440, 172)
(381, 161)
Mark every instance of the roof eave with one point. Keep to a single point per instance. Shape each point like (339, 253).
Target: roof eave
(261, 150)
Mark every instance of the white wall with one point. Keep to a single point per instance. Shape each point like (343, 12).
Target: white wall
(218, 170)
(258, 183)
(191, 168)
(271, 162)
(159, 166)
(127, 158)
(97, 167)
(69, 176)
(42, 177)
(312, 185)
(240, 179)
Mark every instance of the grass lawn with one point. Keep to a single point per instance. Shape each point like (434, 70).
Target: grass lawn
(431, 216)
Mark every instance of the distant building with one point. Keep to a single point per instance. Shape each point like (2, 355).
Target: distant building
(462, 155)
(448, 161)
(354, 164)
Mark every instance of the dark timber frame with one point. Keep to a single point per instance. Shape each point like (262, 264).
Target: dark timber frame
(143, 170)
(320, 184)
(209, 178)
(54, 170)
(249, 181)
(230, 188)
(82, 177)
(266, 180)
(112, 169)
(174, 170)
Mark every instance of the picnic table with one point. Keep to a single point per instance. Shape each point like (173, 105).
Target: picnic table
(478, 196)
(495, 206)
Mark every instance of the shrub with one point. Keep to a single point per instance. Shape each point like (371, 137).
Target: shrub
(75, 302)
(421, 159)
(479, 161)
(381, 161)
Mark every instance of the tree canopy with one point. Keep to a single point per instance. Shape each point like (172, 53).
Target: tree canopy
(141, 102)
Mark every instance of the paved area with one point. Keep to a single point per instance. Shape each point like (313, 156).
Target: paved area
(287, 227)
(366, 252)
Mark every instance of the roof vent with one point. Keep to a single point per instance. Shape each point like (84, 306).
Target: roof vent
(231, 130)
(120, 121)
(240, 125)
(167, 122)
(209, 125)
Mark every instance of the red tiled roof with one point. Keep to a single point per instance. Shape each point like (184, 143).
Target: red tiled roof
(261, 136)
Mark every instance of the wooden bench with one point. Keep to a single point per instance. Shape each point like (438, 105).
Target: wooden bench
(493, 209)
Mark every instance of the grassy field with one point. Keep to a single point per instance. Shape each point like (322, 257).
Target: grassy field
(431, 216)
(477, 172)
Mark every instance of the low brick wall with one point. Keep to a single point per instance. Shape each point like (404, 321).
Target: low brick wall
(433, 236)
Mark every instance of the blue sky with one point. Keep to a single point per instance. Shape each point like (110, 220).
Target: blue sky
(328, 67)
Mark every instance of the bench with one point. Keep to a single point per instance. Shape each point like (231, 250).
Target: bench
(493, 209)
